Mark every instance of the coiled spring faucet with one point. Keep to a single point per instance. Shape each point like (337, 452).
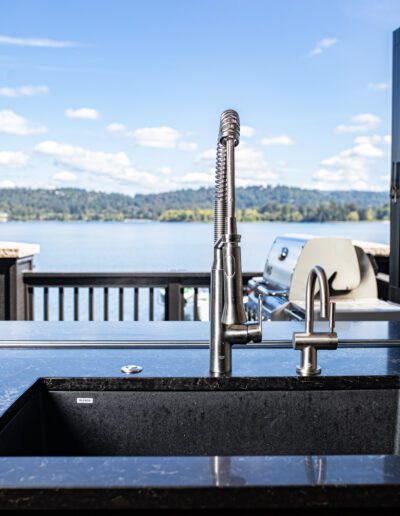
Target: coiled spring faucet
(229, 324)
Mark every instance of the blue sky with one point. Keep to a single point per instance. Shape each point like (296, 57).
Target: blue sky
(126, 95)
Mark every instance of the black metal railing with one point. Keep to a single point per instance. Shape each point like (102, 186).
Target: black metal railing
(170, 296)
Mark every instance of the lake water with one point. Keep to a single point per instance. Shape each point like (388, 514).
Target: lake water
(154, 246)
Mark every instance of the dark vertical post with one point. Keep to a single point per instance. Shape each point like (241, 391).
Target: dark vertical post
(174, 306)
(46, 303)
(15, 259)
(121, 304)
(136, 305)
(195, 304)
(76, 304)
(91, 304)
(105, 303)
(29, 304)
(394, 289)
(151, 304)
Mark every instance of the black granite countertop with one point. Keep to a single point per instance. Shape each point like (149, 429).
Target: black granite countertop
(189, 482)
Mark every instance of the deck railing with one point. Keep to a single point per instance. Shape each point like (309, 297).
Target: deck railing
(170, 296)
(26, 294)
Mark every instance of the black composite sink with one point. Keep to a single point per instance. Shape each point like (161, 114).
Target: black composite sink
(132, 418)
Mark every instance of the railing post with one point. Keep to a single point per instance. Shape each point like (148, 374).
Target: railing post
(394, 288)
(15, 259)
(174, 304)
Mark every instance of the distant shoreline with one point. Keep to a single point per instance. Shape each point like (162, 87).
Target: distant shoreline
(253, 204)
(150, 221)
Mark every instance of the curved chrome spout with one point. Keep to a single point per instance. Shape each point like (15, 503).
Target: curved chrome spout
(316, 273)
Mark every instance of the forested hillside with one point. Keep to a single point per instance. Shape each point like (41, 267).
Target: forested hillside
(253, 203)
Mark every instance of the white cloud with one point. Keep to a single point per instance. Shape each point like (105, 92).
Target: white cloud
(372, 139)
(166, 171)
(158, 137)
(7, 184)
(116, 128)
(11, 123)
(36, 42)
(367, 150)
(280, 140)
(251, 166)
(115, 165)
(197, 178)
(23, 91)
(83, 158)
(205, 179)
(322, 45)
(350, 169)
(257, 180)
(208, 155)
(187, 146)
(65, 176)
(378, 86)
(82, 113)
(359, 124)
(162, 137)
(246, 131)
(10, 159)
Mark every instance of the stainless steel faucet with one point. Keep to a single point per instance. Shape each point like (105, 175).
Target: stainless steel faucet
(229, 324)
(309, 342)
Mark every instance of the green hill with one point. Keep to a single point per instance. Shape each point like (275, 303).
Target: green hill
(253, 203)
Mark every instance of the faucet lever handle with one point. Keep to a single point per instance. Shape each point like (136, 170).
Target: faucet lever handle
(332, 316)
(254, 328)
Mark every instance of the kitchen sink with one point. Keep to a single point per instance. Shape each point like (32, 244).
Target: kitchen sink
(149, 418)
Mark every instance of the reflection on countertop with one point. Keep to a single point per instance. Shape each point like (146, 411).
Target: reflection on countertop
(176, 334)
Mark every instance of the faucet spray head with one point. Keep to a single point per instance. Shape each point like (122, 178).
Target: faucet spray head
(229, 127)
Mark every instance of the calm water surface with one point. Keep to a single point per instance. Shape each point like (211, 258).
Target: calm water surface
(153, 246)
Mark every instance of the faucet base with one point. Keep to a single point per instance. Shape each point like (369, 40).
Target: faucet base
(307, 371)
(308, 364)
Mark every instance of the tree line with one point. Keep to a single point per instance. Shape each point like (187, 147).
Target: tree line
(324, 212)
(280, 203)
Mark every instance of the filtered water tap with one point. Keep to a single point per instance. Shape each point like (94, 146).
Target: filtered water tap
(310, 341)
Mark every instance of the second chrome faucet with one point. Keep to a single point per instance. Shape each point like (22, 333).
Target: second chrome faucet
(229, 324)
(309, 341)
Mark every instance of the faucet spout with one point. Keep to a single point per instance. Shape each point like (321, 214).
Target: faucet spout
(316, 273)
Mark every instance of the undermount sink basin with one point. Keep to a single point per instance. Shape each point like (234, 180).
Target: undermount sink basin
(128, 418)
